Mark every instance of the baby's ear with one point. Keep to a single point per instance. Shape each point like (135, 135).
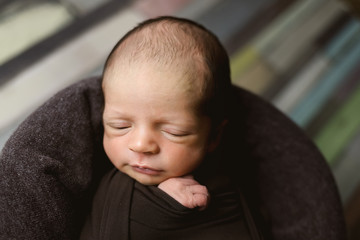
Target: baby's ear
(216, 135)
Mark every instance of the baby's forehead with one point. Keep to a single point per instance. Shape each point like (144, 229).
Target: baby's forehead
(181, 74)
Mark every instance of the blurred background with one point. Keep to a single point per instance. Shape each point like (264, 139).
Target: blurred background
(302, 55)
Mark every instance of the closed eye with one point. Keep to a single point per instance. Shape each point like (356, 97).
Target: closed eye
(179, 134)
(176, 133)
(118, 125)
(120, 128)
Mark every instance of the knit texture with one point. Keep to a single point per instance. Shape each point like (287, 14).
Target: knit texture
(52, 164)
(47, 166)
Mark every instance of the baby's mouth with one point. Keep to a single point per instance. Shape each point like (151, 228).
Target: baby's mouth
(146, 170)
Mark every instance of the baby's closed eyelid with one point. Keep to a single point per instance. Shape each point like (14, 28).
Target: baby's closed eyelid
(175, 133)
(174, 130)
(119, 125)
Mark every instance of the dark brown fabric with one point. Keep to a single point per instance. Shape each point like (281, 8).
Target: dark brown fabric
(51, 166)
(109, 218)
(124, 210)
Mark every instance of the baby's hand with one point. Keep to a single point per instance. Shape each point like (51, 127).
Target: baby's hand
(186, 191)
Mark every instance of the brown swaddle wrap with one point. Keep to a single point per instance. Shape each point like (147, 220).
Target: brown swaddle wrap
(125, 209)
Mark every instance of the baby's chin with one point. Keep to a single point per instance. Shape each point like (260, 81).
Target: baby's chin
(147, 180)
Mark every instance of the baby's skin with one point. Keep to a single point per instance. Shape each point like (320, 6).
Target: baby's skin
(187, 191)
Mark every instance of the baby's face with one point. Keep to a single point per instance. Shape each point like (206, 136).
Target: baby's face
(152, 131)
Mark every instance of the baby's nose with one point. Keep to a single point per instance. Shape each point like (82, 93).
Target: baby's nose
(143, 141)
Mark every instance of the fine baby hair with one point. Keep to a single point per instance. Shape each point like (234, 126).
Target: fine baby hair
(174, 42)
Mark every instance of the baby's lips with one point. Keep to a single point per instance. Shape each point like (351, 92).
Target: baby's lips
(146, 170)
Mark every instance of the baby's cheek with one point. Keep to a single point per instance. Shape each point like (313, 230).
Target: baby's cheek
(112, 150)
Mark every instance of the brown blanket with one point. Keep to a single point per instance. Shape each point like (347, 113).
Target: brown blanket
(50, 168)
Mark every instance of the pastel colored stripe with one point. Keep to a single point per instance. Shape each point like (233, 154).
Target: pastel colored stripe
(152, 8)
(196, 8)
(242, 60)
(315, 99)
(257, 78)
(267, 14)
(27, 27)
(246, 56)
(346, 169)
(237, 13)
(340, 128)
(31, 87)
(300, 39)
(283, 24)
(287, 99)
(291, 94)
(335, 102)
(323, 39)
(337, 44)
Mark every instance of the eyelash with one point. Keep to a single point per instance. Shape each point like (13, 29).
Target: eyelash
(120, 128)
(172, 134)
(176, 134)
